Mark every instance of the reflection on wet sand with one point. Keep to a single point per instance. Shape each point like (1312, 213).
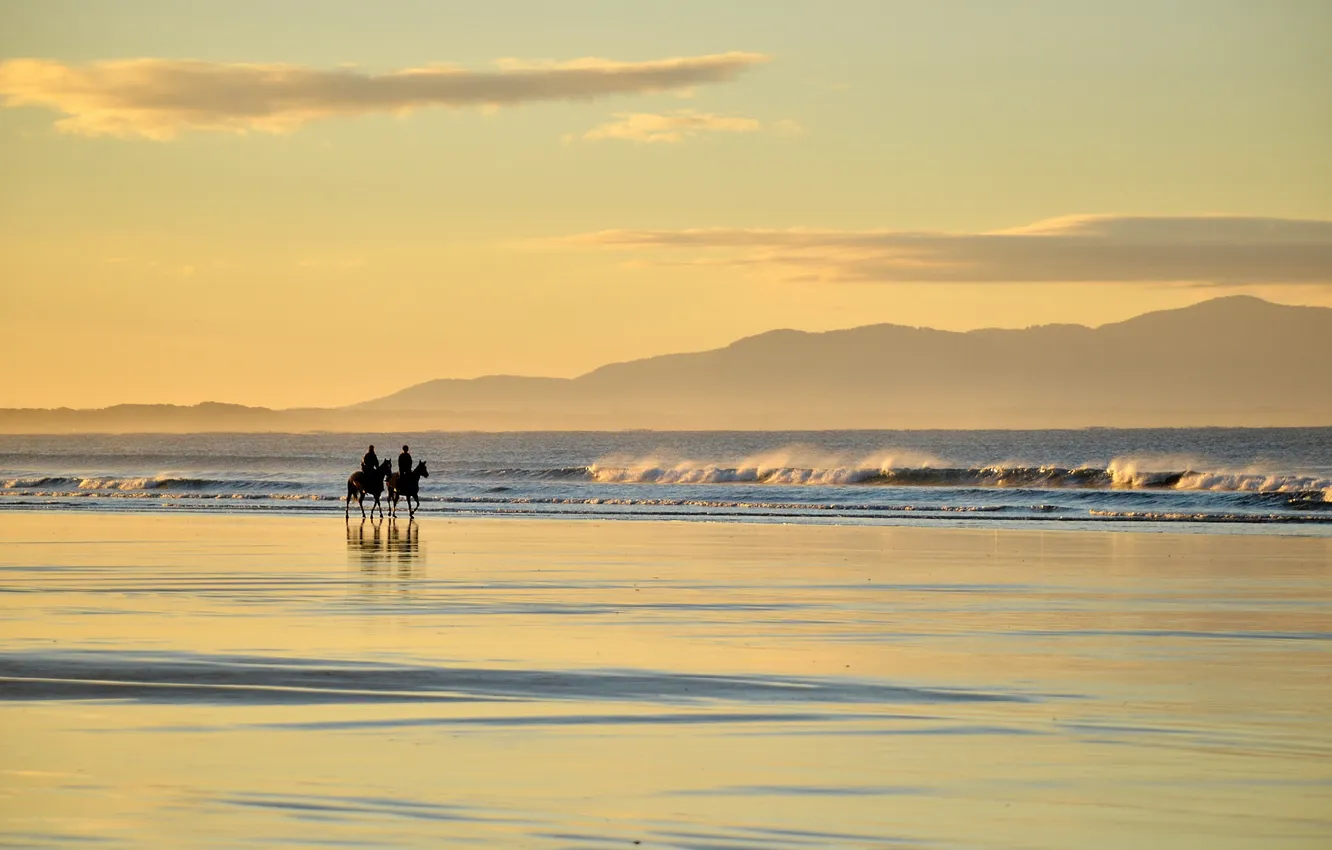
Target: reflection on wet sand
(550, 684)
(385, 546)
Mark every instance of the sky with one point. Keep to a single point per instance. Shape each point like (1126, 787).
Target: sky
(315, 203)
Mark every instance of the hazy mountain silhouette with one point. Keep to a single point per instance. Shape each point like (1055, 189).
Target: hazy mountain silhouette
(1237, 360)
(1230, 361)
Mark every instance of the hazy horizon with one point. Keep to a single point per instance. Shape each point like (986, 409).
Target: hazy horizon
(1172, 368)
(228, 403)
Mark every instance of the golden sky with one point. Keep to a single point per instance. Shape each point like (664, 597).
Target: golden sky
(315, 203)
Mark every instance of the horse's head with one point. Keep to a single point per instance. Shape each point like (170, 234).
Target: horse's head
(385, 468)
(421, 470)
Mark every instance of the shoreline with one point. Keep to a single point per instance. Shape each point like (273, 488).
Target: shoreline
(1272, 527)
(1039, 526)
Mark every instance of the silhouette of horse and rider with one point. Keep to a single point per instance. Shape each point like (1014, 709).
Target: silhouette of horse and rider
(373, 477)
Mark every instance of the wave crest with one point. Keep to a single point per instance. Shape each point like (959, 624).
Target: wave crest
(125, 484)
(924, 471)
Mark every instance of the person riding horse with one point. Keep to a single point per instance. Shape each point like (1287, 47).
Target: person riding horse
(368, 482)
(373, 476)
(406, 485)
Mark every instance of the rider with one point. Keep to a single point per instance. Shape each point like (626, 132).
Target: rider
(370, 463)
(404, 462)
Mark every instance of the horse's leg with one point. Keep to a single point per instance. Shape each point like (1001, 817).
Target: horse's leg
(347, 512)
(360, 500)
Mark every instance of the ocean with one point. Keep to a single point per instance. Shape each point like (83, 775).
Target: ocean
(1279, 479)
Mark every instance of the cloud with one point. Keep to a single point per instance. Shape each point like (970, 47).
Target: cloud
(159, 98)
(1219, 250)
(682, 124)
(672, 127)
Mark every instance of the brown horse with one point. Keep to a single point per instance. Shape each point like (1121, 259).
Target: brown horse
(362, 484)
(406, 486)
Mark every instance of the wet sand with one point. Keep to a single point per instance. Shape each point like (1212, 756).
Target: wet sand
(229, 680)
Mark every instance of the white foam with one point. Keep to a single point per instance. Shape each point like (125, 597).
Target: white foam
(791, 465)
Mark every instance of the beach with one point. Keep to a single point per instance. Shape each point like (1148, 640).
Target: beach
(178, 679)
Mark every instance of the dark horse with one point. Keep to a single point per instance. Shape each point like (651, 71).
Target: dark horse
(406, 485)
(362, 484)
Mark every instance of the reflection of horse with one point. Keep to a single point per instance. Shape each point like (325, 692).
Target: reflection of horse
(384, 546)
(368, 549)
(403, 547)
(406, 485)
(361, 484)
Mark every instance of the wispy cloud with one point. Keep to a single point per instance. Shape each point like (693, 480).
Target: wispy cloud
(1220, 250)
(159, 98)
(671, 127)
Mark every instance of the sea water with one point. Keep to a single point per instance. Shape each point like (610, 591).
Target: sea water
(1277, 478)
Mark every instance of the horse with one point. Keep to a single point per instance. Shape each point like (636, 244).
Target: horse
(406, 486)
(361, 484)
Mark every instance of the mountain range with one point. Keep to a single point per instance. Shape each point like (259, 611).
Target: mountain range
(1236, 361)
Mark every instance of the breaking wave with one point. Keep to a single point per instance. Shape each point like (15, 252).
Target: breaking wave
(999, 477)
(1120, 474)
(125, 484)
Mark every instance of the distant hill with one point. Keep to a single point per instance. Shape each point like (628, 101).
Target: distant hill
(126, 418)
(1237, 360)
(1233, 361)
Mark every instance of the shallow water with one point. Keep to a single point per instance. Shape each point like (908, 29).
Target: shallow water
(228, 680)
